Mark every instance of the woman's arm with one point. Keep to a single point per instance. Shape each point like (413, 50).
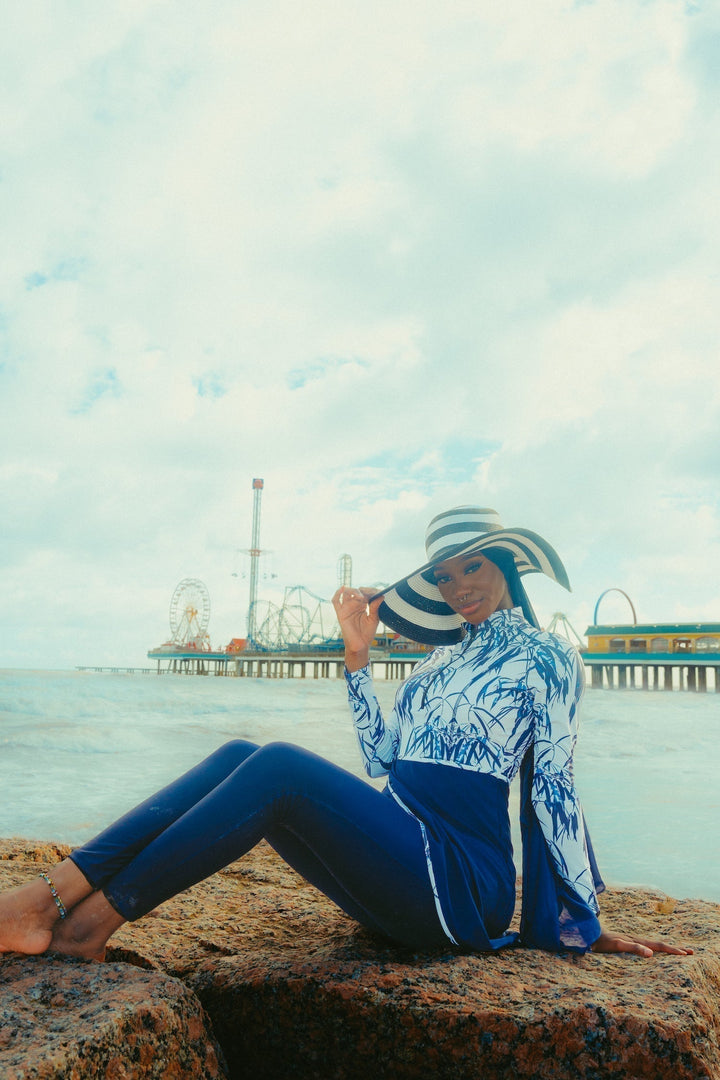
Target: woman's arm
(358, 621)
(556, 680)
(558, 807)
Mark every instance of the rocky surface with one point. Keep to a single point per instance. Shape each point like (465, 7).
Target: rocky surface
(67, 1019)
(293, 987)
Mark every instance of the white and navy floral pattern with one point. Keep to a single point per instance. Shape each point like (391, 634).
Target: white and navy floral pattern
(479, 705)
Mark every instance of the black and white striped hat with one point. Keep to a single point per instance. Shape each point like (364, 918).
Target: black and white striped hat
(414, 606)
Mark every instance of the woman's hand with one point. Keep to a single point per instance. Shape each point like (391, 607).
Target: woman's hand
(617, 943)
(358, 623)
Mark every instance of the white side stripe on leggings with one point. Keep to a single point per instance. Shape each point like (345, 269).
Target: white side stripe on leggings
(431, 872)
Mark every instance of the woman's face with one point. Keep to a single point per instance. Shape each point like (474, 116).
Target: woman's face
(472, 586)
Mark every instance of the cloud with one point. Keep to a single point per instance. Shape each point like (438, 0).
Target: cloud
(390, 260)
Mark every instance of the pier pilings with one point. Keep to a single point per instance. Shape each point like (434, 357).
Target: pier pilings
(303, 667)
(606, 672)
(626, 672)
(251, 665)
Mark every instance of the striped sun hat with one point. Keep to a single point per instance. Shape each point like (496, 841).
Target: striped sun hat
(414, 606)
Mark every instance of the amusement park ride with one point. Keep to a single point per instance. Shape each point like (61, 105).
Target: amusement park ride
(303, 629)
(302, 624)
(189, 618)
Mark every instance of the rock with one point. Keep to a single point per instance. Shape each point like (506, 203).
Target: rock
(63, 1019)
(294, 987)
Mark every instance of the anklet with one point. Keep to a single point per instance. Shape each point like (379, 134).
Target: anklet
(55, 895)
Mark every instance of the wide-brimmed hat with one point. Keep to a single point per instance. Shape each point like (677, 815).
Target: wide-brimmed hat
(414, 606)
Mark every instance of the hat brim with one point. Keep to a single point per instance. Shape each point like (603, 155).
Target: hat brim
(414, 606)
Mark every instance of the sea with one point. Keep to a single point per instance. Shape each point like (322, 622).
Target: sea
(80, 748)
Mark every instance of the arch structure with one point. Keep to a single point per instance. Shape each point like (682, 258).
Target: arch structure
(622, 593)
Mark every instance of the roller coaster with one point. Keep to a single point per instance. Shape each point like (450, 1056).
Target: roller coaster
(303, 622)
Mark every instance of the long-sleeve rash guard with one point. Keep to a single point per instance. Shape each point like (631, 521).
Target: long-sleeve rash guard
(478, 707)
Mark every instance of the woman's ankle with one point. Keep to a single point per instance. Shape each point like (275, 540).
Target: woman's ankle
(87, 929)
(30, 913)
(69, 883)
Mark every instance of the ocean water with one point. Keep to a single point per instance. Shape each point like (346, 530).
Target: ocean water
(78, 749)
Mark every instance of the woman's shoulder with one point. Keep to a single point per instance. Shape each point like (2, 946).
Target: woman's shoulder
(538, 634)
(555, 642)
(547, 648)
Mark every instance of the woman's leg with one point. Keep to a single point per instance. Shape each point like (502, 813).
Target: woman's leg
(29, 916)
(351, 840)
(108, 852)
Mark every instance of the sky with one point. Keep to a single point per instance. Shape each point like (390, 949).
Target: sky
(391, 258)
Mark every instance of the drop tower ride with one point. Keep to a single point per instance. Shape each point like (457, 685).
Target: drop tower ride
(255, 554)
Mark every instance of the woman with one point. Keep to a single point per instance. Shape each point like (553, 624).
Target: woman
(428, 861)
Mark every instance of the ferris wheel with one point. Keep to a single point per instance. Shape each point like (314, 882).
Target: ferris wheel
(190, 614)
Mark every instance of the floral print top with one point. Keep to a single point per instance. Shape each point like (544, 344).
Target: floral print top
(479, 706)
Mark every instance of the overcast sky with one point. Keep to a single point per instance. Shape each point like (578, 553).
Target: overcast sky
(389, 257)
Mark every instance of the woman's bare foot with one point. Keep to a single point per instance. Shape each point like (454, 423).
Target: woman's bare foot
(28, 913)
(87, 929)
(26, 918)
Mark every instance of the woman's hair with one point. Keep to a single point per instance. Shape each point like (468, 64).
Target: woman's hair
(506, 565)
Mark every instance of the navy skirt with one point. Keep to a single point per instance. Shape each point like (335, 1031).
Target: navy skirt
(466, 828)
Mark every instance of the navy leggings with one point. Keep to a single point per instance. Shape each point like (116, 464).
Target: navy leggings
(353, 842)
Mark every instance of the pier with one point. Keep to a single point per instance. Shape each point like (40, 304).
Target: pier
(605, 671)
(118, 670)
(653, 672)
(688, 670)
(284, 665)
(653, 656)
(609, 672)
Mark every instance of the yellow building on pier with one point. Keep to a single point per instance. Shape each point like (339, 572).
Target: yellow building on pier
(654, 655)
(656, 639)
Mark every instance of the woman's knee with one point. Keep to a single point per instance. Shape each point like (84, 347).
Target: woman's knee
(281, 752)
(287, 761)
(234, 752)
